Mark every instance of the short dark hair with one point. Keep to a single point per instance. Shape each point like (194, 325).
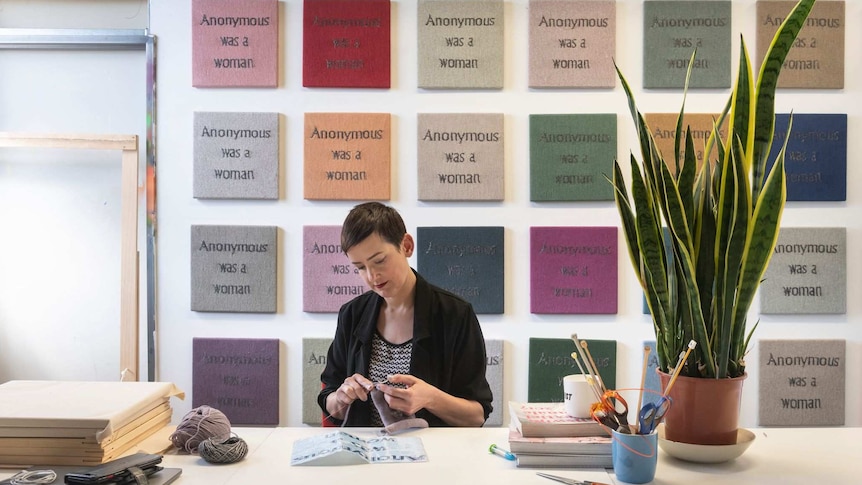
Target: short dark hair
(368, 218)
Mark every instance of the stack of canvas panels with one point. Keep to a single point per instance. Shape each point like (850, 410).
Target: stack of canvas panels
(79, 423)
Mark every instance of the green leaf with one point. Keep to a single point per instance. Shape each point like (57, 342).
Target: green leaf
(687, 178)
(742, 114)
(674, 212)
(637, 118)
(679, 119)
(698, 326)
(762, 235)
(705, 229)
(730, 259)
(767, 81)
(626, 214)
(715, 136)
(648, 225)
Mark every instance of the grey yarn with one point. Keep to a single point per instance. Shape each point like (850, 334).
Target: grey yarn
(220, 450)
(200, 423)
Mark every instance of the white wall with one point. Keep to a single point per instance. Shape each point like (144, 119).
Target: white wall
(74, 14)
(60, 212)
(178, 210)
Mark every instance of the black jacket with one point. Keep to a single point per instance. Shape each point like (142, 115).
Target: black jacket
(448, 349)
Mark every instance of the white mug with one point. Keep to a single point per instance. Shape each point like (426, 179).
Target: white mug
(577, 396)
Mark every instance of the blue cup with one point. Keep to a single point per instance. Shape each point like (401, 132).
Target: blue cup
(635, 456)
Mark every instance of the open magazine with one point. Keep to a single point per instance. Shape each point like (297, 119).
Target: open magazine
(340, 448)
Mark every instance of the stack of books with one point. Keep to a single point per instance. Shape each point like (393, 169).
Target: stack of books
(79, 423)
(543, 435)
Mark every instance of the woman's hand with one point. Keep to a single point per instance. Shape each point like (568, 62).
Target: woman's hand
(418, 395)
(354, 387)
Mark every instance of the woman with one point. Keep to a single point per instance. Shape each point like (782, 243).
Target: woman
(418, 344)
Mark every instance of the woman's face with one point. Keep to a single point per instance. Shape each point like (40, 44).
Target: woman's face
(382, 265)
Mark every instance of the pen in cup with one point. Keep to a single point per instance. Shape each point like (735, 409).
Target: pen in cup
(501, 452)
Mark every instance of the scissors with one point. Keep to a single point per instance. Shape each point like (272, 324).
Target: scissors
(569, 481)
(651, 414)
(612, 411)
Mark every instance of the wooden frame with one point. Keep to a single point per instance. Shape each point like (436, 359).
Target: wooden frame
(128, 145)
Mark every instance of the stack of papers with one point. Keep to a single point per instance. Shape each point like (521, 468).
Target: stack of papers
(79, 422)
(543, 420)
(543, 435)
(572, 452)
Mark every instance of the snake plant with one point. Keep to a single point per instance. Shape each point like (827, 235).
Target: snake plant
(701, 236)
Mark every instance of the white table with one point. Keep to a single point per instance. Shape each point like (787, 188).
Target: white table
(783, 456)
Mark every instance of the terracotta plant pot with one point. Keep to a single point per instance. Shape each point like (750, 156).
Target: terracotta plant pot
(704, 411)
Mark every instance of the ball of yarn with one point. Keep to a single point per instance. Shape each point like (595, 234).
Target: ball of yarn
(199, 424)
(218, 450)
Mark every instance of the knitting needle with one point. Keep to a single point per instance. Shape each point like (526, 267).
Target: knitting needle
(588, 377)
(592, 371)
(620, 417)
(594, 367)
(643, 378)
(587, 365)
(691, 345)
(593, 387)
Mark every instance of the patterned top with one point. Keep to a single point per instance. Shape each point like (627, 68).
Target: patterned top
(387, 359)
